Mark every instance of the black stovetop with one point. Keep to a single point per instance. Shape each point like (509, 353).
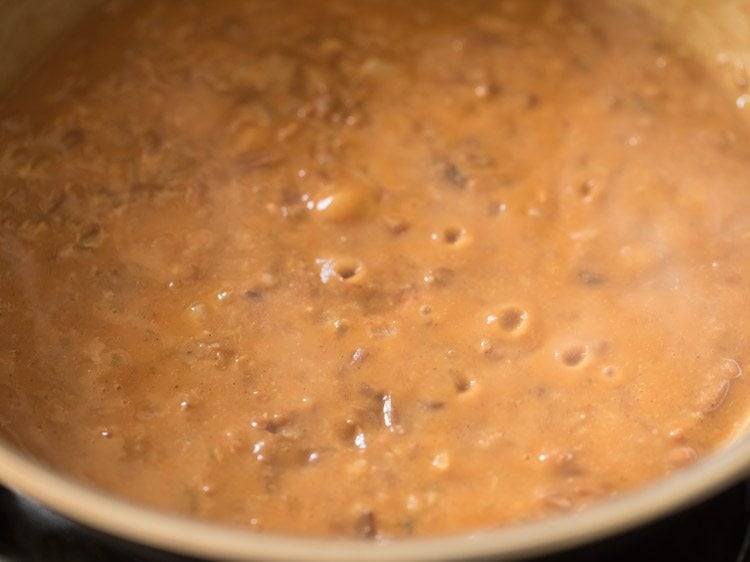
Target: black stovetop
(717, 530)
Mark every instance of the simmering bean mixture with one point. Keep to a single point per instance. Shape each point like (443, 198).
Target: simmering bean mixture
(372, 268)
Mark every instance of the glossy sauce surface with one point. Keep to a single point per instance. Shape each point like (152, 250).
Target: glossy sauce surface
(372, 268)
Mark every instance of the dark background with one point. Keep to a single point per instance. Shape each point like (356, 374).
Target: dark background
(717, 530)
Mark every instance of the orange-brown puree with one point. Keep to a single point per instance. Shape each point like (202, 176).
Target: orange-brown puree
(374, 268)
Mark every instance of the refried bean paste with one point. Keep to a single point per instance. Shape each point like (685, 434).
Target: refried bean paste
(372, 268)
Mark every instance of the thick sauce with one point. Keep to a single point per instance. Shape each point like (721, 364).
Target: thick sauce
(372, 268)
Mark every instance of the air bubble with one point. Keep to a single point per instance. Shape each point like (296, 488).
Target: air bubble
(344, 203)
(482, 90)
(730, 368)
(359, 440)
(341, 325)
(510, 320)
(587, 189)
(682, 456)
(439, 277)
(573, 356)
(455, 236)
(397, 225)
(497, 208)
(712, 396)
(676, 434)
(441, 461)
(461, 383)
(346, 270)
(359, 355)
(197, 310)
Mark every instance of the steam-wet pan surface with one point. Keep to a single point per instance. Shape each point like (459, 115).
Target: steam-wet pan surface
(317, 268)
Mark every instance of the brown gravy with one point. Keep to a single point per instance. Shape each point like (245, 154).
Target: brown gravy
(372, 268)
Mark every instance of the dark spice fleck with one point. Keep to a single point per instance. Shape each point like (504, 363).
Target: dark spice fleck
(455, 176)
(397, 225)
(90, 237)
(72, 138)
(254, 295)
(366, 525)
(432, 406)
(590, 278)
